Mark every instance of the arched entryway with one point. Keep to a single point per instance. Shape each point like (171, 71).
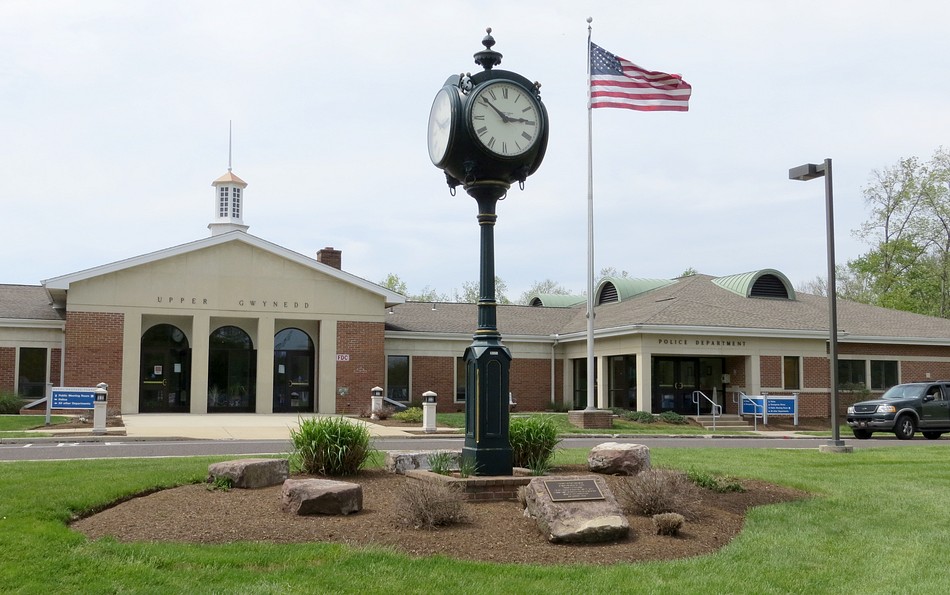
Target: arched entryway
(164, 371)
(293, 371)
(232, 371)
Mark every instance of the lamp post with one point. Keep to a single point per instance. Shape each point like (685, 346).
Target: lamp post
(810, 171)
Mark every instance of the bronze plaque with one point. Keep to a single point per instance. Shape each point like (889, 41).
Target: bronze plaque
(566, 490)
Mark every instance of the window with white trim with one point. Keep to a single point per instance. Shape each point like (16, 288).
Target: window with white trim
(883, 374)
(792, 372)
(223, 200)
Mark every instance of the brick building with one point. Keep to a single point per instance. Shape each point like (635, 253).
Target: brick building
(233, 323)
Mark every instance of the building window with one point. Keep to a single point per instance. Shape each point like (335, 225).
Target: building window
(223, 202)
(791, 372)
(460, 379)
(236, 203)
(580, 381)
(32, 372)
(397, 377)
(883, 374)
(622, 381)
(852, 372)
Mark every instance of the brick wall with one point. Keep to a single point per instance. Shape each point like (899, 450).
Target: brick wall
(898, 350)
(56, 357)
(817, 372)
(438, 375)
(366, 368)
(917, 371)
(7, 368)
(770, 371)
(530, 383)
(94, 352)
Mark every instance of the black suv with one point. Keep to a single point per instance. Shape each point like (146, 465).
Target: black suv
(903, 410)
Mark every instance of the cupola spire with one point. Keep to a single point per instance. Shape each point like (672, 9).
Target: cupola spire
(228, 200)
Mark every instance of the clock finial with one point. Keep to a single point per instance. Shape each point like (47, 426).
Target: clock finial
(488, 58)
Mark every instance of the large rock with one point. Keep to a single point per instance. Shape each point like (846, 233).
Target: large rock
(579, 520)
(321, 496)
(614, 458)
(251, 473)
(400, 461)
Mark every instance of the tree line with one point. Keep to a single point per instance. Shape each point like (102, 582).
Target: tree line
(907, 265)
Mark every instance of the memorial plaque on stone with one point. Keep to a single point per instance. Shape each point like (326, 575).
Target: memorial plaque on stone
(569, 490)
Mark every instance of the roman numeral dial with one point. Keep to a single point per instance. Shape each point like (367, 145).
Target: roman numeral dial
(505, 118)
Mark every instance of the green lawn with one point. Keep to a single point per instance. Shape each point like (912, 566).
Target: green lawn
(12, 426)
(876, 524)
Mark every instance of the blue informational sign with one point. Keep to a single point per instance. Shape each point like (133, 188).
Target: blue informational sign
(73, 398)
(777, 405)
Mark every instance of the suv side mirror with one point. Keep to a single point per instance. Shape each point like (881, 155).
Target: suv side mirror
(928, 398)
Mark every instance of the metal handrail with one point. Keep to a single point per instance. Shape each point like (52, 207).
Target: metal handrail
(755, 407)
(716, 407)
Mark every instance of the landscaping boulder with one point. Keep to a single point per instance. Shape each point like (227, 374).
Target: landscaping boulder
(321, 496)
(594, 517)
(250, 473)
(613, 458)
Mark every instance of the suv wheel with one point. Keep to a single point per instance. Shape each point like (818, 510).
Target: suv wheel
(904, 428)
(932, 435)
(862, 434)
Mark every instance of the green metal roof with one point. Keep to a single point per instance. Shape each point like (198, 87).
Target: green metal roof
(763, 283)
(627, 287)
(554, 300)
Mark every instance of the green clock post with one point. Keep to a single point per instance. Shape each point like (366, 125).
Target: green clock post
(487, 131)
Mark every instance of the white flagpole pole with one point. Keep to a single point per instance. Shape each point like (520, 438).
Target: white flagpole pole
(591, 391)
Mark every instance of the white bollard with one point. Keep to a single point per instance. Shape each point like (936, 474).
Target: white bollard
(376, 402)
(100, 408)
(428, 411)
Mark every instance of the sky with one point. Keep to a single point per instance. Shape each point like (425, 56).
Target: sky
(114, 122)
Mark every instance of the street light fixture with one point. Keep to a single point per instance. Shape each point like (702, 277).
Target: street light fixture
(810, 171)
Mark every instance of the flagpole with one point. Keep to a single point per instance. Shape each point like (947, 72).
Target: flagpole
(591, 390)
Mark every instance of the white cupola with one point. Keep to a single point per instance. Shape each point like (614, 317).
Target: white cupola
(228, 200)
(228, 204)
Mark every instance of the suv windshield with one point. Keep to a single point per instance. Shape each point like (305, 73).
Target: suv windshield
(905, 391)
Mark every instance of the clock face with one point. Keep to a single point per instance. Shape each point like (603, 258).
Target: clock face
(441, 125)
(505, 118)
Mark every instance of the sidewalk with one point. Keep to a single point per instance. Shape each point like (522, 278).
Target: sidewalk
(223, 426)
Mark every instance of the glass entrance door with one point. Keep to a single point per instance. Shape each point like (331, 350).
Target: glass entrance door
(165, 371)
(293, 372)
(674, 380)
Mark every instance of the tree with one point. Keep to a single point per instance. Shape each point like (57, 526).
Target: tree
(689, 272)
(470, 292)
(908, 264)
(394, 283)
(547, 286)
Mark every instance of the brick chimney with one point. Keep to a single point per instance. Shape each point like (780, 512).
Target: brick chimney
(331, 257)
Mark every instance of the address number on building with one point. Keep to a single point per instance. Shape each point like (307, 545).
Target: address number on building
(343, 357)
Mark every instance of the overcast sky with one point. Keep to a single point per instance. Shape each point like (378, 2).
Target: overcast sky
(114, 122)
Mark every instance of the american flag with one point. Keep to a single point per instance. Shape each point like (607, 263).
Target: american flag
(615, 82)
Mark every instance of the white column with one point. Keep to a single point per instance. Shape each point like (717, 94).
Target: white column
(645, 381)
(264, 389)
(200, 342)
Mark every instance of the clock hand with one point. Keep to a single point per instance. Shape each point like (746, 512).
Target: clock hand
(504, 118)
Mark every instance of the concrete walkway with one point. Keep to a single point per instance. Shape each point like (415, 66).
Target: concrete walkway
(228, 426)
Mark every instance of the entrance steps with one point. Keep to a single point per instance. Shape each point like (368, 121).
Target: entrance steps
(722, 422)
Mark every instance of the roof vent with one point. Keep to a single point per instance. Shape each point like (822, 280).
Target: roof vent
(769, 286)
(766, 283)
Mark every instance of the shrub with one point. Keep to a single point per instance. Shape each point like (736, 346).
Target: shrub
(412, 415)
(643, 417)
(713, 483)
(441, 462)
(657, 491)
(467, 466)
(10, 403)
(385, 412)
(668, 523)
(427, 505)
(330, 446)
(533, 440)
(671, 417)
